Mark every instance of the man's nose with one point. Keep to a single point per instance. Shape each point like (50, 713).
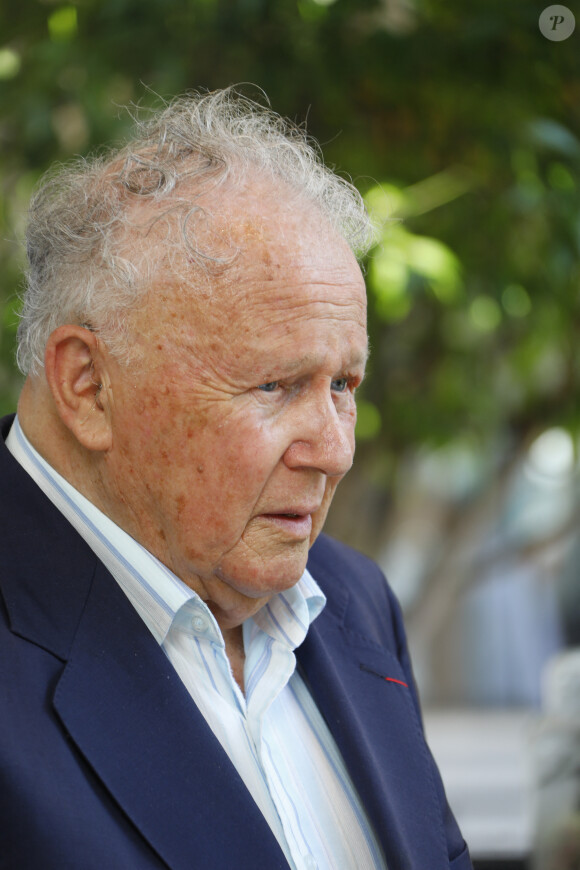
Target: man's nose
(324, 439)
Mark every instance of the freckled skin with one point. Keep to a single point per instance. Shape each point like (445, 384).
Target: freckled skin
(200, 457)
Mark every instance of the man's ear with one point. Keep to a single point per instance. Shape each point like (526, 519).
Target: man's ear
(75, 372)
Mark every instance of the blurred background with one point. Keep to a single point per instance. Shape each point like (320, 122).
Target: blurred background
(460, 123)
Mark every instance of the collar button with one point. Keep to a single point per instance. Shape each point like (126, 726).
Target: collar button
(199, 623)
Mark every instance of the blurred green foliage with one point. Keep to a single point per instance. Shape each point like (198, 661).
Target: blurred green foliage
(459, 122)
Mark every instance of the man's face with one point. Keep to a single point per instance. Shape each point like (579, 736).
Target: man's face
(230, 437)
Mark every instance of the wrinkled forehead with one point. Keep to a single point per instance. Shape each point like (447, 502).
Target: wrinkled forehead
(245, 245)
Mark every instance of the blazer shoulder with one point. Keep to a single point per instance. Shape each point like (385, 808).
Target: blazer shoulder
(329, 556)
(357, 592)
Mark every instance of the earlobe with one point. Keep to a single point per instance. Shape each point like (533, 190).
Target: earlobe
(74, 370)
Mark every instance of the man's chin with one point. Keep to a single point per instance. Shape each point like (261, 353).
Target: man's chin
(265, 577)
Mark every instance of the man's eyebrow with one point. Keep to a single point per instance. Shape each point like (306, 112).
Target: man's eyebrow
(289, 367)
(361, 359)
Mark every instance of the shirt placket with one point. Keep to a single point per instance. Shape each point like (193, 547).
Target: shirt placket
(281, 664)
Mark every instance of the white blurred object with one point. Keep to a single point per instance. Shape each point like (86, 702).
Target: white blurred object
(484, 760)
(556, 754)
(561, 686)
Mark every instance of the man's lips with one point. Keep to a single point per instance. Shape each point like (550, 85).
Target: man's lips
(297, 522)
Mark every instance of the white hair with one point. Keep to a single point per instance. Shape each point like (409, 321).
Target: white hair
(79, 220)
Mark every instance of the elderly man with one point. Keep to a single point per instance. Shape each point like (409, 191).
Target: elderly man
(177, 688)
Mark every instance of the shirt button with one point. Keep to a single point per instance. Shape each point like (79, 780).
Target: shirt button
(199, 623)
(310, 863)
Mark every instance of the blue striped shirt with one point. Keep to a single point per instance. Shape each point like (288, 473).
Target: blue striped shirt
(274, 734)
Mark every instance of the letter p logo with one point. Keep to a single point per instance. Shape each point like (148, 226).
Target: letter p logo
(557, 23)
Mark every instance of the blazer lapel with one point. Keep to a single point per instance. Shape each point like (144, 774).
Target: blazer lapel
(361, 691)
(134, 722)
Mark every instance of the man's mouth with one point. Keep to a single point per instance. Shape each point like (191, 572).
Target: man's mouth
(295, 525)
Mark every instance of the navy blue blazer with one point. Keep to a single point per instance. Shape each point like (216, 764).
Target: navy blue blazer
(105, 761)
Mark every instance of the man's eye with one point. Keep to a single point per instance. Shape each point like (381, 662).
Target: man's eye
(339, 385)
(269, 387)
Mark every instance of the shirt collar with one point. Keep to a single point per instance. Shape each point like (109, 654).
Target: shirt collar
(155, 592)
